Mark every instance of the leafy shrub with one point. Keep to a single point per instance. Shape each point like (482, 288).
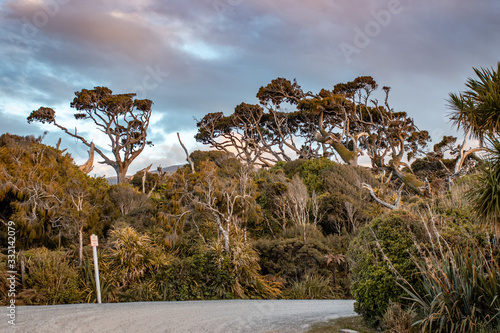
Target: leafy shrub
(52, 276)
(151, 182)
(203, 276)
(126, 198)
(228, 165)
(271, 186)
(216, 274)
(109, 280)
(37, 186)
(249, 282)
(323, 175)
(292, 260)
(485, 192)
(373, 282)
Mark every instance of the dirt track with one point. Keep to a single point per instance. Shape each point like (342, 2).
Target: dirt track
(194, 316)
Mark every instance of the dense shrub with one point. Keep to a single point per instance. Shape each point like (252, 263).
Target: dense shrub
(228, 165)
(373, 282)
(133, 255)
(151, 181)
(344, 205)
(291, 259)
(40, 189)
(203, 276)
(52, 276)
(325, 175)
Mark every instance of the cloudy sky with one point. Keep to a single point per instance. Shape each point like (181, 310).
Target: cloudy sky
(192, 57)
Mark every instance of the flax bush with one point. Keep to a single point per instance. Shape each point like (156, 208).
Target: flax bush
(461, 289)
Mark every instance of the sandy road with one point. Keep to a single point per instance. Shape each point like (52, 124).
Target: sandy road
(193, 316)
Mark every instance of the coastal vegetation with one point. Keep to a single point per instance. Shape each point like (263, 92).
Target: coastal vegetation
(281, 207)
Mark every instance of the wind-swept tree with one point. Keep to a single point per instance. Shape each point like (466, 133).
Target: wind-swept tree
(250, 133)
(344, 123)
(122, 118)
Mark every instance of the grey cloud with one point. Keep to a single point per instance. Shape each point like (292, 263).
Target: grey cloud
(215, 54)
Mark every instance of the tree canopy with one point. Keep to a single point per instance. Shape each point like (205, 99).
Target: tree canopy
(122, 118)
(343, 123)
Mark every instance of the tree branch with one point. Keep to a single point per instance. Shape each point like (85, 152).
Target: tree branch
(380, 201)
(188, 158)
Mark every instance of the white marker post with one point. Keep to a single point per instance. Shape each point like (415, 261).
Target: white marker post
(94, 242)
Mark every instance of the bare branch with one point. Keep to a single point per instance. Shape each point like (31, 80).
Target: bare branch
(188, 158)
(380, 201)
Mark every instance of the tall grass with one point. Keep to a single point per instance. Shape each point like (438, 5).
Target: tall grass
(311, 287)
(396, 319)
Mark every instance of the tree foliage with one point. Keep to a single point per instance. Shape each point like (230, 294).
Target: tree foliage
(345, 122)
(122, 118)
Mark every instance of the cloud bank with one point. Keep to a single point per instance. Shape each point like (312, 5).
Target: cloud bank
(194, 57)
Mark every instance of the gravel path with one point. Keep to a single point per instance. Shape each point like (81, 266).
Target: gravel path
(193, 316)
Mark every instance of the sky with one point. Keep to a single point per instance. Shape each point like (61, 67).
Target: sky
(193, 57)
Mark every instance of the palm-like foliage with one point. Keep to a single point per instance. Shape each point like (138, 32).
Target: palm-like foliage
(478, 108)
(485, 195)
(134, 254)
(461, 291)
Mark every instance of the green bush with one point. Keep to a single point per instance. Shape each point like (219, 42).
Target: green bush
(324, 175)
(133, 255)
(109, 279)
(52, 276)
(292, 260)
(203, 276)
(373, 281)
